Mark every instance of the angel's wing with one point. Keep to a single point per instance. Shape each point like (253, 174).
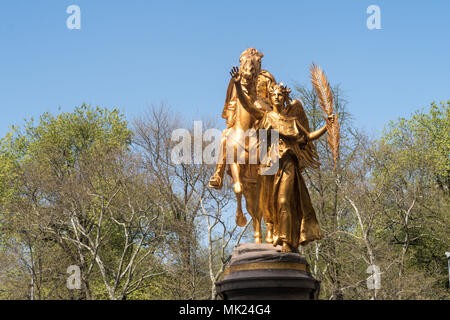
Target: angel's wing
(308, 151)
(295, 109)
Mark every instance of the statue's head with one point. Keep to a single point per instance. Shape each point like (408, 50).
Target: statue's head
(250, 64)
(279, 95)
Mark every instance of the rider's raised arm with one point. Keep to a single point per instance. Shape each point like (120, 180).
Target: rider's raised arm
(247, 103)
(244, 99)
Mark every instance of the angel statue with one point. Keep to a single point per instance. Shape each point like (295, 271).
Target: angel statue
(284, 197)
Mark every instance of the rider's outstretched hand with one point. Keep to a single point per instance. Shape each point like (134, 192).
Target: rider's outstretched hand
(235, 75)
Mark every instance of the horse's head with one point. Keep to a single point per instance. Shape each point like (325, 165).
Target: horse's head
(250, 64)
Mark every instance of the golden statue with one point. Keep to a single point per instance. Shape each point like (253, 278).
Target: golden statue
(255, 100)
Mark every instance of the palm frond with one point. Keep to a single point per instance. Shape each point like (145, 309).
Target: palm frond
(325, 94)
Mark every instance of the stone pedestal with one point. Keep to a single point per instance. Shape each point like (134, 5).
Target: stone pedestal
(263, 272)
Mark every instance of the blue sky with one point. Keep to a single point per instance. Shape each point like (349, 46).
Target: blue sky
(131, 54)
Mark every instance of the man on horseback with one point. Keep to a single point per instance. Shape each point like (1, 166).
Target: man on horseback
(256, 83)
(264, 80)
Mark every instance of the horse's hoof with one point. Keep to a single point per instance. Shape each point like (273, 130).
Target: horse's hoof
(276, 241)
(215, 182)
(269, 240)
(258, 240)
(241, 220)
(286, 248)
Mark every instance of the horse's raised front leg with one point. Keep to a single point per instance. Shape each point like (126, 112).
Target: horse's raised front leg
(241, 220)
(238, 188)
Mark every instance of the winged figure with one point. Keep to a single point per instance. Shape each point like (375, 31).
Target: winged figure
(283, 198)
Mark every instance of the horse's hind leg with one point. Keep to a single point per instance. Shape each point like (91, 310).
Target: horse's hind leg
(241, 220)
(269, 237)
(257, 228)
(250, 194)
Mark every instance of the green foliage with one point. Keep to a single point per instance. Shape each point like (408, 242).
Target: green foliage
(59, 141)
(71, 134)
(387, 204)
(42, 161)
(412, 166)
(419, 148)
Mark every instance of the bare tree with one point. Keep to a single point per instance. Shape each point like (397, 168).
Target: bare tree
(181, 187)
(220, 234)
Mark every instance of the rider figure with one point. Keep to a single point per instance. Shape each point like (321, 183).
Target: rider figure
(263, 84)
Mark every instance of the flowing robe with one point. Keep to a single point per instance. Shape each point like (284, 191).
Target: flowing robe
(283, 197)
